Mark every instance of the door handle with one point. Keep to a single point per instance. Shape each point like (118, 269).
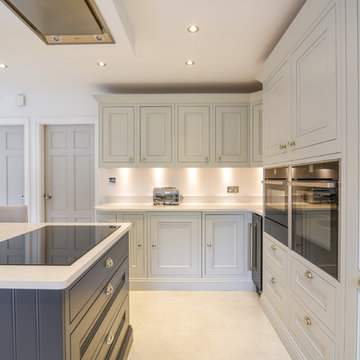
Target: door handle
(47, 196)
(250, 249)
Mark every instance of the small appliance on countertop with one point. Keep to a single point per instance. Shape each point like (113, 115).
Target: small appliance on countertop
(166, 196)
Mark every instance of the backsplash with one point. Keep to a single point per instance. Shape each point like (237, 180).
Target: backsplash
(197, 185)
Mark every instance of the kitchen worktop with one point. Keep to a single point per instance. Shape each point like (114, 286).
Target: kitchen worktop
(256, 208)
(51, 276)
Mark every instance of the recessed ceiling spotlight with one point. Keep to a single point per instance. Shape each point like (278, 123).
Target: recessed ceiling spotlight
(193, 29)
(3, 66)
(56, 38)
(190, 62)
(101, 64)
(98, 38)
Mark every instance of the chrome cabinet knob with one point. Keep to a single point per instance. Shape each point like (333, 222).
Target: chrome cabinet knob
(153, 246)
(282, 146)
(47, 196)
(208, 245)
(109, 263)
(307, 321)
(273, 280)
(109, 338)
(273, 247)
(109, 289)
(219, 158)
(206, 158)
(309, 274)
(139, 246)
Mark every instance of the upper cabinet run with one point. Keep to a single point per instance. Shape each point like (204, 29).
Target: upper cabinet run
(303, 87)
(180, 130)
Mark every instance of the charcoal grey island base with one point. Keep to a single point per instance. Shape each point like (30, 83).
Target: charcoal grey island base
(88, 320)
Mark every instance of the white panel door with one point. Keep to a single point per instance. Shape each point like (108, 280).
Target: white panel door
(256, 135)
(117, 138)
(277, 111)
(11, 165)
(174, 245)
(232, 134)
(314, 95)
(69, 173)
(136, 245)
(225, 245)
(193, 131)
(156, 134)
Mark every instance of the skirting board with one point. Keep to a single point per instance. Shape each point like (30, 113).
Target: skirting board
(191, 284)
(282, 331)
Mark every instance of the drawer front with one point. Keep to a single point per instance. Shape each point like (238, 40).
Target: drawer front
(276, 258)
(114, 337)
(81, 293)
(86, 339)
(318, 294)
(309, 335)
(106, 218)
(275, 292)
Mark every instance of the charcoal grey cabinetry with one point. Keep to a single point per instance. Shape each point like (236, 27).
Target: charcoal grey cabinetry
(88, 320)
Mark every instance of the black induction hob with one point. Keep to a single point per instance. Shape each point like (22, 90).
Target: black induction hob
(53, 244)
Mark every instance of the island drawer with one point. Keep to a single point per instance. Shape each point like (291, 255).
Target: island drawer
(84, 291)
(87, 336)
(317, 293)
(276, 258)
(114, 338)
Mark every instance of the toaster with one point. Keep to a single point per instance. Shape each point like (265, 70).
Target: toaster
(166, 196)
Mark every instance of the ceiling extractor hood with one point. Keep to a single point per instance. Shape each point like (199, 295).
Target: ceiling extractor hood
(62, 21)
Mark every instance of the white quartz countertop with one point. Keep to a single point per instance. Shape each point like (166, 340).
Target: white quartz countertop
(257, 208)
(51, 276)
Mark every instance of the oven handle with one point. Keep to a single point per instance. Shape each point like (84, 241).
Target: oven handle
(315, 184)
(274, 182)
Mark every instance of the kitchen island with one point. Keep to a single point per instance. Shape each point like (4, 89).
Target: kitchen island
(64, 291)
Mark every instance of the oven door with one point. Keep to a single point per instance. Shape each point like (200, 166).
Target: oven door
(276, 209)
(315, 223)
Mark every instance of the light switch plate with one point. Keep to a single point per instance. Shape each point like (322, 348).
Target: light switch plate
(232, 189)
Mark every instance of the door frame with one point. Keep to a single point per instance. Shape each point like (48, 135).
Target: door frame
(39, 169)
(25, 123)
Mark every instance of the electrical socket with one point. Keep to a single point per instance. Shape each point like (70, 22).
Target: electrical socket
(112, 180)
(232, 189)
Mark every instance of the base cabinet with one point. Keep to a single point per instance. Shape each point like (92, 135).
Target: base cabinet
(224, 245)
(174, 241)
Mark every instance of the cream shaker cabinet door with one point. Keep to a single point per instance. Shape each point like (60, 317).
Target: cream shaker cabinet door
(174, 245)
(232, 134)
(193, 134)
(136, 245)
(277, 112)
(225, 245)
(315, 96)
(117, 135)
(156, 134)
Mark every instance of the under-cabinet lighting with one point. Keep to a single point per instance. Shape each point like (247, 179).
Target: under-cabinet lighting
(190, 62)
(193, 29)
(3, 66)
(101, 64)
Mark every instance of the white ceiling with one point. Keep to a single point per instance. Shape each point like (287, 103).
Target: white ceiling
(235, 38)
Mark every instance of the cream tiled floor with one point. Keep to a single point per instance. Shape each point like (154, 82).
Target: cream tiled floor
(201, 325)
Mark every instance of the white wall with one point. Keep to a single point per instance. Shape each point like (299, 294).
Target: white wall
(195, 184)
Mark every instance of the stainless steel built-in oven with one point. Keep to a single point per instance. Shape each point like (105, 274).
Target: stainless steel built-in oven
(276, 203)
(315, 214)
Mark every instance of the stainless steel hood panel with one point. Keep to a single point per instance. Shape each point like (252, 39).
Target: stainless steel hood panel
(62, 21)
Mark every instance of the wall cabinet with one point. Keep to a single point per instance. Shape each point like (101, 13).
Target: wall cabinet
(216, 131)
(302, 93)
(117, 126)
(193, 134)
(232, 134)
(225, 245)
(174, 241)
(156, 134)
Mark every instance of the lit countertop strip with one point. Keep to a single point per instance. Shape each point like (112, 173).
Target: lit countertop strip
(51, 277)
